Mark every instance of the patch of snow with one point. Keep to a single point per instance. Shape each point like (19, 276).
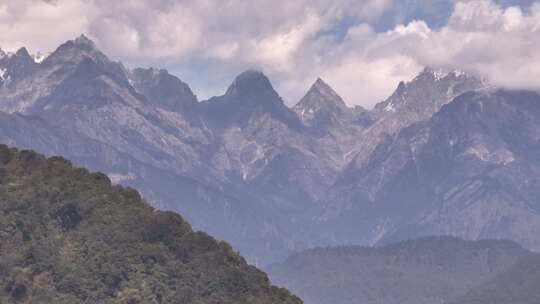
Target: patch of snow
(390, 107)
(39, 57)
(2, 73)
(501, 156)
(117, 178)
(459, 73)
(440, 74)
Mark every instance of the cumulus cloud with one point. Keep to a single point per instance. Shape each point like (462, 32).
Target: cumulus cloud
(481, 37)
(485, 39)
(40, 24)
(205, 41)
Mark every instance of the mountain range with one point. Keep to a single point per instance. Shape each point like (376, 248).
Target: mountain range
(428, 270)
(446, 153)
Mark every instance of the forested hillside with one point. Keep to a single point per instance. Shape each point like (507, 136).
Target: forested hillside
(423, 271)
(70, 236)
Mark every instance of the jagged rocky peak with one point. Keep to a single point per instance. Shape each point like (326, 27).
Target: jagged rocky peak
(162, 88)
(83, 40)
(76, 50)
(14, 66)
(23, 53)
(323, 89)
(252, 89)
(441, 74)
(253, 85)
(321, 97)
(320, 104)
(250, 93)
(428, 91)
(20, 57)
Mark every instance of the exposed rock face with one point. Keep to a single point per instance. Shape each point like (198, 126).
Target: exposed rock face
(321, 106)
(163, 89)
(250, 95)
(470, 171)
(269, 179)
(413, 102)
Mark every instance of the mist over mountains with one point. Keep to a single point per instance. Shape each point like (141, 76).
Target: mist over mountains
(444, 154)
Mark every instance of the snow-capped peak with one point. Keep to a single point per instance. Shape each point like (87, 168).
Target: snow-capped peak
(440, 74)
(76, 50)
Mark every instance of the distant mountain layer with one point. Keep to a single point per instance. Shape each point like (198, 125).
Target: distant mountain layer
(69, 236)
(519, 285)
(472, 171)
(424, 271)
(444, 154)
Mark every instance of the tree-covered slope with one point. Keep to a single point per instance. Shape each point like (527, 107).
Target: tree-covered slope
(518, 285)
(423, 271)
(69, 236)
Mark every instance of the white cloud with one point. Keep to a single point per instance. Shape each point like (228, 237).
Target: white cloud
(480, 37)
(40, 25)
(483, 38)
(278, 49)
(294, 42)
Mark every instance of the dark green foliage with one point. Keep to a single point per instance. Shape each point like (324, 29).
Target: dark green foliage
(69, 236)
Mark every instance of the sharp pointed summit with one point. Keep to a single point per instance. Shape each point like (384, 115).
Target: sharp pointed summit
(76, 50)
(323, 87)
(321, 95)
(427, 92)
(84, 40)
(320, 104)
(16, 66)
(23, 52)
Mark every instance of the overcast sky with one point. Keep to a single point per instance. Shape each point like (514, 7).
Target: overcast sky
(362, 48)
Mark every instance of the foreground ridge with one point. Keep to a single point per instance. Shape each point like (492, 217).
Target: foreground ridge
(70, 236)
